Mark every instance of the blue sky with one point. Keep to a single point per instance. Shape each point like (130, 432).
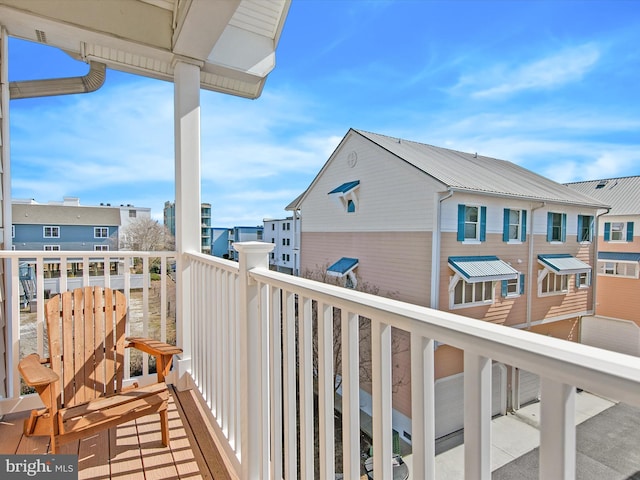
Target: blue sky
(549, 85)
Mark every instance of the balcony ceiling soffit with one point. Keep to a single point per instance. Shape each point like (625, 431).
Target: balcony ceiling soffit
(233, 41)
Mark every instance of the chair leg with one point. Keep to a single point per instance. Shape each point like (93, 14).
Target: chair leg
(164, 426)
(52, 444)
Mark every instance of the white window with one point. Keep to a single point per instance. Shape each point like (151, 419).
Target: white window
(617, 231)
(101, 248)
(52, 248)
(133, 214)
(512, 287)
(100, 232)
(51, 232)
(618, 269)
(583, 280)
(515, 224)
(467, 294)
(554, 283)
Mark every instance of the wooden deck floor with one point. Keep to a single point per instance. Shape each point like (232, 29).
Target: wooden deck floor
(134, 450)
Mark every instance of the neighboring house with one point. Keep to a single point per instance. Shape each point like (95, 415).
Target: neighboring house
(616, 325)
(243, 234)
(65, 225)
(285, 235)
(220, 242)
(458, 232)
(169, 216)
(129, 214)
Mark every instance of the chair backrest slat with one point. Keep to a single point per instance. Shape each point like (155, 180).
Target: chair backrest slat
(86, 341)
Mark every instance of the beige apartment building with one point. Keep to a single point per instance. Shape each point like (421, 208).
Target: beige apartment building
(458, 232)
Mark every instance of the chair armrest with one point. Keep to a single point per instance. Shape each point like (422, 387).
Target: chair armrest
(35, 374)
(162, 351)
(153, 347)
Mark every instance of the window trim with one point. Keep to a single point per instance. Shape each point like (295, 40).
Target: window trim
(520, 287)
(481, 231)
(627, 232)
(522, 226)
(454, 285)
(550, 227)
(586, 283)
(101, 248)
(54, 232)
(591, 228)
(602, 268)
(544, 276)
(100, 229)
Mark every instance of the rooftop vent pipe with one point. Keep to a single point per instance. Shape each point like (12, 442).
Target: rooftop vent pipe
(91, 82)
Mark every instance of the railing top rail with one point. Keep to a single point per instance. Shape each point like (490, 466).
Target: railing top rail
(600, 371)
(84, 253)
(229, 265)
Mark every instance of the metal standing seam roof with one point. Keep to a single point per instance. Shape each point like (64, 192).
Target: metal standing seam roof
(345, 187)
(622, 194)
(479, 174)
(619, 256)
(563, 263)
(342, 266)
(482, 268)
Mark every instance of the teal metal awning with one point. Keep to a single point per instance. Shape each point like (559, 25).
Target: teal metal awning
(342, 267)
(475, 269)
(345, 187)
(619, 256)
(563, 263)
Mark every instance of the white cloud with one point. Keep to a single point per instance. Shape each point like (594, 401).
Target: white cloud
(556, 70)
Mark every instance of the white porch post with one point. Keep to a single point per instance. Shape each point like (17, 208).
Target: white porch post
(477, 417)
(557, 430)
(254, 364)
(187, 164)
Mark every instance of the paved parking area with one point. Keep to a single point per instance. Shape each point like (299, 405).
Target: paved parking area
(607, 444)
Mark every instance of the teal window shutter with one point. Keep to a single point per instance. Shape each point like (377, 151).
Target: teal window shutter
(629, 231)
(505, 225)
(504, 288)
(607, 231)
(523, 230)
(483, 224)
(461, 212)
(580, 221)
(522, 284)
(549, 226)
(564, 228)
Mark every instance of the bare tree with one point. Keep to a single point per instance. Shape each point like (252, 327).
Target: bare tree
(399, 342)
(146, 235)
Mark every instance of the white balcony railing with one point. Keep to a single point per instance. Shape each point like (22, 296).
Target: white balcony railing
(252, 361)
(250, 335)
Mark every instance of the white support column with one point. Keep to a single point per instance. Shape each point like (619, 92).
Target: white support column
(187, 165)
(254, 450)
(477, 417)
(9, 382)
(423, 429)
(557, 430)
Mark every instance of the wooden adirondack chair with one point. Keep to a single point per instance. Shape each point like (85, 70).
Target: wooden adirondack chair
(82, 389)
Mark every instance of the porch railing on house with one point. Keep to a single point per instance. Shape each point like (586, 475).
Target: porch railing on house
(262, 348)
(252, 360)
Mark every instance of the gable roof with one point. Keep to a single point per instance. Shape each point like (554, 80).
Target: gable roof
(623, 194)
(475, 173)
(468, 172)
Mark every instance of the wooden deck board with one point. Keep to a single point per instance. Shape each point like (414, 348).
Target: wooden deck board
(133, 450)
